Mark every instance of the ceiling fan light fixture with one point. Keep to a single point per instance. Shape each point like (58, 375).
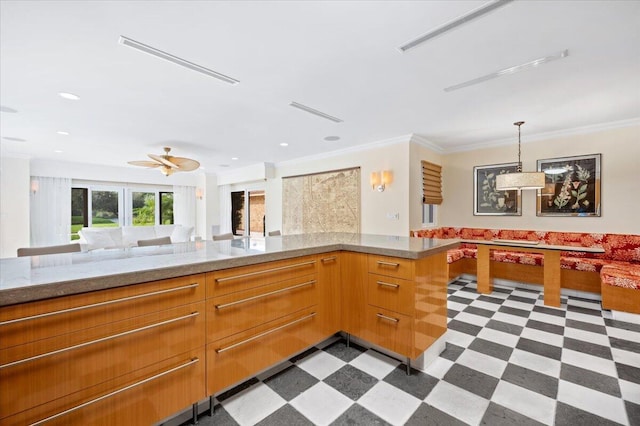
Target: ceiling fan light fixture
(168, 164)
(126, 41)
(520, 180)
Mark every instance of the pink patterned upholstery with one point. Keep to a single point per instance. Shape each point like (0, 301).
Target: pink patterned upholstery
(618, 275)
(618, 247)
(454, 254)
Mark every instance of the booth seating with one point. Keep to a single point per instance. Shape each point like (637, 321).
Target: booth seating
(620, 262)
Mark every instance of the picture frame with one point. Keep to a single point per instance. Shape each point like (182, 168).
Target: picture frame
(572, 186)
(487, 201)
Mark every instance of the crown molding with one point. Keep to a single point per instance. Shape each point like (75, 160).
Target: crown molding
(592, 128)
(421, 140)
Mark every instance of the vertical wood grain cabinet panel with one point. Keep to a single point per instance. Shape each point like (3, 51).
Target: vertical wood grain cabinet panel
(330, 302)
(353, 271)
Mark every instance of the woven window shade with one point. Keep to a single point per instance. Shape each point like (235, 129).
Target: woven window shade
(431, 183)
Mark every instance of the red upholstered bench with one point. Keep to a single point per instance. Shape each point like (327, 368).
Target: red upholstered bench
(621, 287)
(580, 270)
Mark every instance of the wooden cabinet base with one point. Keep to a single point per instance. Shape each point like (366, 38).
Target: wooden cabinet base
(142, 397)
(238, 357)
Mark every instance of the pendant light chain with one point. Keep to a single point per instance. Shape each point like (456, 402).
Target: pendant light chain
(519, 123)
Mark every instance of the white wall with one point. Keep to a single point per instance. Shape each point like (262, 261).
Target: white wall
(620, 176)
(392, 156)
(14, 205)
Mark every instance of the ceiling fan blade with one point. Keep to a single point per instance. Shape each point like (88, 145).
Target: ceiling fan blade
(163, 161)
(145, 163)
(185, 164)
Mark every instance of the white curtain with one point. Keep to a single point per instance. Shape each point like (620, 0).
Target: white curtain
(225, 208)
(50, 211)
(184, 205)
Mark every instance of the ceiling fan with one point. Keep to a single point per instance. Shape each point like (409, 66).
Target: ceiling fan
(168, 163)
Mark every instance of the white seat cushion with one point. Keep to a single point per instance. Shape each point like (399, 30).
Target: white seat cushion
(131, 234)
(98, 238)
(181, 234)
(164, 230)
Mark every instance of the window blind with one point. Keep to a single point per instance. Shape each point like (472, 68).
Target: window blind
(431, 183)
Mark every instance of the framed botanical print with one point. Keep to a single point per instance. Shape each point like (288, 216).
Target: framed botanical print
(572, 186)
(487, 200)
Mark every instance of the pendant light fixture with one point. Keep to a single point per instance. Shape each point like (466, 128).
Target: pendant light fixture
(519, 180)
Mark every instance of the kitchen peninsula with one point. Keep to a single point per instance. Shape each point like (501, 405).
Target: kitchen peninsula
(137, 335)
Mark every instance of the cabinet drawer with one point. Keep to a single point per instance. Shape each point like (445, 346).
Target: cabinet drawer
(391, 266)
(237, 279)
(388, 329)
(233, 313)
(42, 371)
(142, 397)
(29, 322)
(236, 358)
(391, 293)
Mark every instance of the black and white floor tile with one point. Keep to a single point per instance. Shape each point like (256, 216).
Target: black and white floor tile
(509, 360)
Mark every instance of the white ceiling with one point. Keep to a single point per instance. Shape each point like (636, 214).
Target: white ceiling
(340, 57)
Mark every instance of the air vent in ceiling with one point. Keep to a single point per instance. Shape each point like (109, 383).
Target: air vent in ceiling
(176, 60)
(315, 112)
(469, 16)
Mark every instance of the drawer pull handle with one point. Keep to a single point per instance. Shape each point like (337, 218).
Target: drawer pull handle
(382, 283)
(257, 336)
(392, 264)
(271, 293)
(379, 315)
(266, 271)
(329, 259)
(102, 339)
(110, 394)
(94, 305)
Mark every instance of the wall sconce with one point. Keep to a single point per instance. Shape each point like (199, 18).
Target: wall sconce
(199, 193)
(379, 180)
(35, 185)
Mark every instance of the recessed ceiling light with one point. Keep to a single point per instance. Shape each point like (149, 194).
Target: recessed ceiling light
(234, 158)
(284, 144)
(125, 41)
(9, 138)
(58, 151)
(62, 132)
(7, 109)
(332, 138)
(460, 20)
(511, 70)
(69, 96)
(315, 112)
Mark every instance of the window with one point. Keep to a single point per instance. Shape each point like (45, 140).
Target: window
(429, 215)
(431, 192)
(248, 212)
(105, 208)
(166, 208)
(143, 211)
(111, 206)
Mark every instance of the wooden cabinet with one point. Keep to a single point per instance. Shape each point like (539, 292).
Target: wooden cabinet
(259, 315)
(406, 303)
(74, 357)
(330, 302)
(353, 272)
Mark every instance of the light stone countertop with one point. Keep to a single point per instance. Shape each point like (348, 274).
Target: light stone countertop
(33, 278)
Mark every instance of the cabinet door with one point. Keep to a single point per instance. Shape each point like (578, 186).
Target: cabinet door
(353, 271)
(388, 329)
(242, 355)
(330, 288)
(391, 293)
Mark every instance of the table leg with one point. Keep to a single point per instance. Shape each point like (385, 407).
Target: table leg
(484, 270)
(552, 278)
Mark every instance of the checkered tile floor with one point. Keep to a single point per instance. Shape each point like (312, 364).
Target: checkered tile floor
(509, 361)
